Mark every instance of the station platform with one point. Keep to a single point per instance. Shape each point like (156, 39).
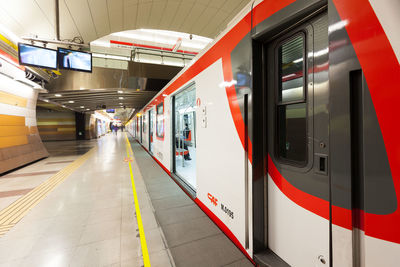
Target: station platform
(104, 202)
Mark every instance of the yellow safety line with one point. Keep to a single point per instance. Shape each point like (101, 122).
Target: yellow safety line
(145, 252)
(11, 215)
(4, 39)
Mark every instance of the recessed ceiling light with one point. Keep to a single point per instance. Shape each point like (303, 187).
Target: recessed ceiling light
(82, 88)
(82, 106)
(120, 97)
(45, 100)
(88, 109)
(63, 106)
(71, 101)
(120, 92)
(120, 103)
(58, 95)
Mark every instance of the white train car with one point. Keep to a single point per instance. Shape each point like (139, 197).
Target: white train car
(282, 130)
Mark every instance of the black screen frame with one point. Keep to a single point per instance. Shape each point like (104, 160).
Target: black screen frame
(73, 69)
(33, 65)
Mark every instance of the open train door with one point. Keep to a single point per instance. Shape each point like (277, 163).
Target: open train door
(295, 228)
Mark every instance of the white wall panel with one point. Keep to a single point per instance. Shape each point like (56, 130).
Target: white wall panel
(99, 12)
(157, 10)
(83, 19)
(116, 14)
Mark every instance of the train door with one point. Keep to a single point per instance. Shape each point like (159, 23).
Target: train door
(184, 128)
(151, 119)
(297, 207)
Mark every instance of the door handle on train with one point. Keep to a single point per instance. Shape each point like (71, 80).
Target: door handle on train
(321, 161)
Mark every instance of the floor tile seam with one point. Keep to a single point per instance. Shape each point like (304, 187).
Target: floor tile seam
(155, 198)
(31, 200)
(97, 241)
(120, 227)
(135, 162)
(45, 187)
(133, 166)
(32, 251)
(42, 190)
(23, 192)
(21, 207)
(167, 188)
(180, 206)
(197, 209)
(196, 240)
(15, 259)
(235, 261)
(195, 219)
(24, 175)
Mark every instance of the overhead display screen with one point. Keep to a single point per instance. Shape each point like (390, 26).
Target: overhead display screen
(74, 60)
(36, 56)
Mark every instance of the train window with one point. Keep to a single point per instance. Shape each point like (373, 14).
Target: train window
(292, 106)
(291, 69)
(160, 120)
(144, 124)
(292, 129)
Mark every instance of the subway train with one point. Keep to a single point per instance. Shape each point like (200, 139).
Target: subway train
(283, 131)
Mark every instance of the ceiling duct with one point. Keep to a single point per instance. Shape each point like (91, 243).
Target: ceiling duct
(139, 76)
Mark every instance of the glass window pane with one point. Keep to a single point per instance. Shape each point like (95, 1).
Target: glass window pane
(292, 132)
(291, 78)
(185, 136)
(160, 120)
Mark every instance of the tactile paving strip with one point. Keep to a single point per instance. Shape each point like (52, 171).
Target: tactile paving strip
(11, 215)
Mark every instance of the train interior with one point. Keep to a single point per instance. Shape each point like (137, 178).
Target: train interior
(185, 135)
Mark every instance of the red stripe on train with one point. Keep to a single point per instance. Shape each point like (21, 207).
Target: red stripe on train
(206, 210)
(382, 72)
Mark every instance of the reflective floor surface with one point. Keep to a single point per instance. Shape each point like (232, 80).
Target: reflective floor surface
(89, 218)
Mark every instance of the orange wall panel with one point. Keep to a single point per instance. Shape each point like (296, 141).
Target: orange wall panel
(13, 130)
(10, 120)
(9, 141)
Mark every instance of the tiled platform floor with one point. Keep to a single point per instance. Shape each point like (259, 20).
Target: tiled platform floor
(17, 183)
(89, 219)
(193, 239)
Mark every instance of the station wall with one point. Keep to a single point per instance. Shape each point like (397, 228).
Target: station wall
(20, 142)
(56, 125)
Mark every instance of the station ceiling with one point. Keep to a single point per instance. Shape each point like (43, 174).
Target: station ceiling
(93, 19)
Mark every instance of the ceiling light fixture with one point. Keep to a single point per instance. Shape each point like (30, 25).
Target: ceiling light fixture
(120, 92)
(120, 98)
(58, 95)
(71, 101)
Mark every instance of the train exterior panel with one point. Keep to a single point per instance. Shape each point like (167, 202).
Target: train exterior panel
(283, 132)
